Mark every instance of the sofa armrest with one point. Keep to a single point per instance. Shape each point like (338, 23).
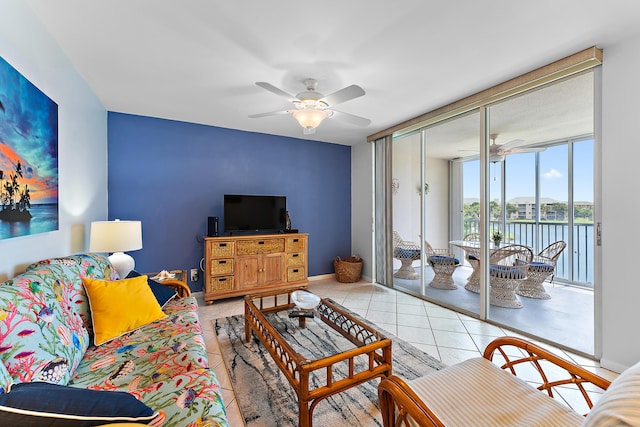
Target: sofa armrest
(178, 283)
(545, 363)
(181, 288)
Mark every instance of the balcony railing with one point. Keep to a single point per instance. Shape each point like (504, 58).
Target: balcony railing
(574, 266)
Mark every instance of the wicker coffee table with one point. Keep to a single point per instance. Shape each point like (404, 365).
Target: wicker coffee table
(364, 355)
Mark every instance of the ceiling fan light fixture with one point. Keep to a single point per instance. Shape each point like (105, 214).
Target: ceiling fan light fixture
(496, 158)
(312, 107)
(309, 118)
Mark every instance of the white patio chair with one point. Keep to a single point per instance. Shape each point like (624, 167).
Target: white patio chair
(443, 263)
(508, 269)
(542, 266)
(406, 252)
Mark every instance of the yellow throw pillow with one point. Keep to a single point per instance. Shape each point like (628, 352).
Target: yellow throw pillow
(120, 306)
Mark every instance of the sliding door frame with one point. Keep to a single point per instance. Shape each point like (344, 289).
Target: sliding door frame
(572, 65)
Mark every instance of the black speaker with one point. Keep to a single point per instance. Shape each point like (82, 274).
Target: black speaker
(212, 229)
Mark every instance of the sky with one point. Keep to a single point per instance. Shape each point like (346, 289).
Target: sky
(28, 134)
(520, 172)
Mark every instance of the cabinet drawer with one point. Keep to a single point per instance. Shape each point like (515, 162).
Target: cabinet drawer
(295, 273)
(222, 283)
(221, 266)
(262, 246)
(222, 249)
(295, 244)
(296, 258)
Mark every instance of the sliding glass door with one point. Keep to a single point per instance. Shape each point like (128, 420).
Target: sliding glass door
(539, 140)
(539, 174)
(434, 208)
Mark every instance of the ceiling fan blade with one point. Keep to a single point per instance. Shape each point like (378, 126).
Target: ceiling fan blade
(511, 144)
(528, 150)
(271, 113)
(271, 88)
(346, 94)
(350, 118)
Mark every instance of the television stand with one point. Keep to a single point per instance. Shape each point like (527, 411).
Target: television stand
(244, 264)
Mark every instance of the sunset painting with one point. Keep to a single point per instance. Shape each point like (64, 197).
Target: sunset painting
(28, 157)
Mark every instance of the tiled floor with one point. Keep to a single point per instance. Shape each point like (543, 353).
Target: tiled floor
(444, 334)
(567, 318)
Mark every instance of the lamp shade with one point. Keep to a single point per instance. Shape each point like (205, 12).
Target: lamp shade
(115, 236)
(309, 118)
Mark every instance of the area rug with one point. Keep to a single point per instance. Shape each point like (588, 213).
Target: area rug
(265, 397)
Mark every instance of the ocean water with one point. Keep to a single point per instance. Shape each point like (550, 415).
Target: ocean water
(44, 218)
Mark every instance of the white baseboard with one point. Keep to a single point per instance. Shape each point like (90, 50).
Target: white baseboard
(322, 277)
(333, 277)
(612, 366)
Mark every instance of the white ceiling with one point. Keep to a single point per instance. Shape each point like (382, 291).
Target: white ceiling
(198, 60)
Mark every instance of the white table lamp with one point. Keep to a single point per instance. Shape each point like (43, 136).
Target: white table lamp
(117, 237)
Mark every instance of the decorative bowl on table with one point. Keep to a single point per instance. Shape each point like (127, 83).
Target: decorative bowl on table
(305, 300)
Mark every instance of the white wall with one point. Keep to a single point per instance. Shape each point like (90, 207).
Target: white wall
(620, 202)
(406, 202)
(362, 205)
(437, 206)
(82, 141)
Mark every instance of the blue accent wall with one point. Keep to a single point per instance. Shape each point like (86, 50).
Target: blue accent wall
(172, 175)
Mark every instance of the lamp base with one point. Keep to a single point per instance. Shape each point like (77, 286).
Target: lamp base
(122, 263)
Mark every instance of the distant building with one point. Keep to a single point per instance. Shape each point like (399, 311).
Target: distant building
(552, 209)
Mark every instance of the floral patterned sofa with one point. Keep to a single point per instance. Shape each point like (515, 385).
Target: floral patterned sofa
(46, 337)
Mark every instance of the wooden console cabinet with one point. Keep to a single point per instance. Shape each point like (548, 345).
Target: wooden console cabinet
(240, 265)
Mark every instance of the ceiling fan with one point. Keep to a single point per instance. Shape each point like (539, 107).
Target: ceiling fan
(312, 107)
(497, 153)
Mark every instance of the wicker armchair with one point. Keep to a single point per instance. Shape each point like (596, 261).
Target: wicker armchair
(508, 269)
(406, 252)
(486, 391)
(443, 263)
(542, 266)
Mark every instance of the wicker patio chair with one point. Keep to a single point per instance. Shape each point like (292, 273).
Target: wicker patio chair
(406, 252)
(542, 266)
(443, 263)
(508, 269)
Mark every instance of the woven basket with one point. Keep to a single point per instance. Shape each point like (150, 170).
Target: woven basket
(348, 270)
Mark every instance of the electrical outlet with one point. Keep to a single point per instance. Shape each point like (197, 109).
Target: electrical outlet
(194, 274)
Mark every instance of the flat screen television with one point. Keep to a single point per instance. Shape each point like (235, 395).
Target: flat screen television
(254, 214)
